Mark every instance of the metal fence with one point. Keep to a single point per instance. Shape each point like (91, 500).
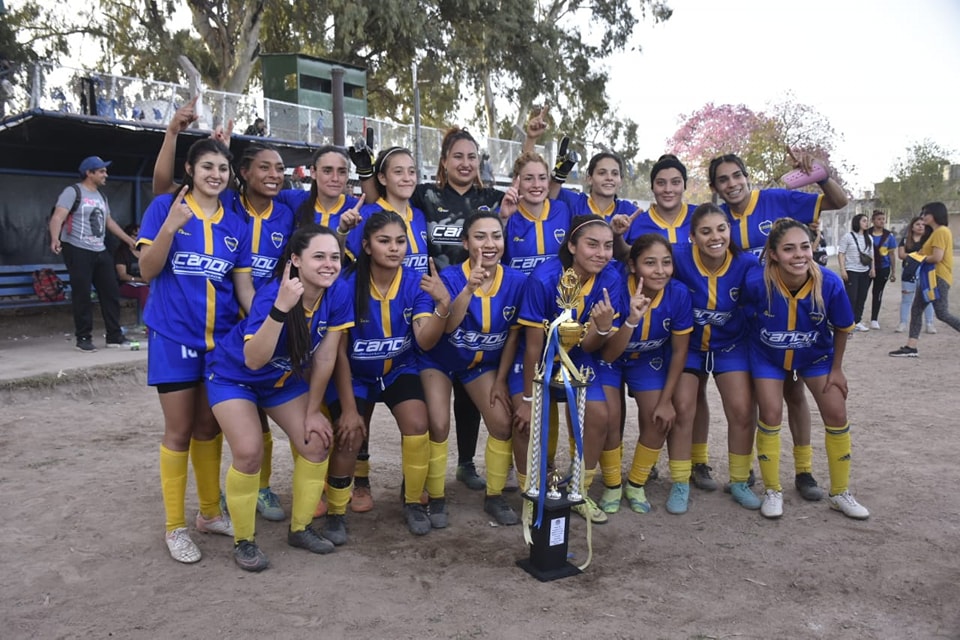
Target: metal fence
(71, 90)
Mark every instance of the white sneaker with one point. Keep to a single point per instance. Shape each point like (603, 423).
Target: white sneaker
(772, 506)
(220, 525)
(848, 505)
(861, 327)
(874, 325)
(931, 328)
(182, 548)
(901, 328)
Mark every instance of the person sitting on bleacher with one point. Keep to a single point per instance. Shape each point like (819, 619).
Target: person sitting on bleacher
(127, 263)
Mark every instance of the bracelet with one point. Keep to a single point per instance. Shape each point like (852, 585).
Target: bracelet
(528, 398)
(603, 333)
(630, 325)
(276, 314)
(437, 313)
(342, 233)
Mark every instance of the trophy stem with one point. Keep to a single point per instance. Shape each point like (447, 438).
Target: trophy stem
(536, 436)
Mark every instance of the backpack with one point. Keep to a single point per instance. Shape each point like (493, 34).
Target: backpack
(73, 208)
(48, 286)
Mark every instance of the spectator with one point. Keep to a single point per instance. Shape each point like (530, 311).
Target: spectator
(258, 128)
(127, 263)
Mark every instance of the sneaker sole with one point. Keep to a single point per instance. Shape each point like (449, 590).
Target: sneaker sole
(904, 355)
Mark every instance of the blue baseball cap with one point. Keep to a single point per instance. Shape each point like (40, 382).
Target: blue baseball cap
(92, 163)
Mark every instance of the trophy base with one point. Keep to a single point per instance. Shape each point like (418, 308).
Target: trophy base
(548, 553)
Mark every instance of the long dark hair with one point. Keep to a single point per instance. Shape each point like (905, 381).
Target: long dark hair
(246, 159)
(772, 267)
(706, 209)
(381, 166)
(577, 228)
(855, 229)
(298, 329)
(361, 266)
(908, 243)
(201, 148)
(307, 213)
(452, 136)
(719, 160)
(647, 240)
(939, 212)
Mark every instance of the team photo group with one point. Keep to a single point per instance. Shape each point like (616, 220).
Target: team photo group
(307, 308)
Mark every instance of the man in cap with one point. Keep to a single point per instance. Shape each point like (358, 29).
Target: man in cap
(78, 229)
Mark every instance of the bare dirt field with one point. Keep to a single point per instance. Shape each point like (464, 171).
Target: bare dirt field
(84, 556)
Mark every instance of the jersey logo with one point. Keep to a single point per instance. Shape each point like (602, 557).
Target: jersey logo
(423, 235)
(198, 264)
(656, 364)
(277, 239)
(446, 234)
(559, 235)
(527, 264)
(816, 317)
(263, 265)
(408, 315)
(508, 313)
(517, 239)
(666, 324)
(765, 227)
(231, 243)
(477, 340)
(789, 339)
(416, 261)
(734, 293)
(183, 232)
(710, 316)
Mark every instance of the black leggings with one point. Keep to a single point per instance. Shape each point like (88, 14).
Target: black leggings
(879, 282)
(857, 285)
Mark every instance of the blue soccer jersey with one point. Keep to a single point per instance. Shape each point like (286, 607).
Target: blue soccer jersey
(884, 245)
(382, 341)
(539, 303)
(333, 312)
(532, 240)
(294, 199)
(650, 222)
(192, 299)
(718, 319)
(482, 334)
(788, 330)
(417, 250)
(269, 232)
(581, 204)
(750, 230)
(670, 312)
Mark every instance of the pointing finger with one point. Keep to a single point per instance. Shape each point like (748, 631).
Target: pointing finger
(606, 296)
(183, 192)
(360, 200)
(286, 271)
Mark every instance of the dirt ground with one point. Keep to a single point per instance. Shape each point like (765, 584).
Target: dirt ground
(84, 554)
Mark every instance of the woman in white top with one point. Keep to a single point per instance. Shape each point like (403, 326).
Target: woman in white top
(856, 275)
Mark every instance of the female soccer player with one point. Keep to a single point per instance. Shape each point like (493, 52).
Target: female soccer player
(714, 269)
(801, 319)
(652, 349)
(289, 339)
(536, 226)
(669, 215)
(325, 203)
(588, 250)
(604, 179)
(486, 296)
(196, 257)
(396, 311)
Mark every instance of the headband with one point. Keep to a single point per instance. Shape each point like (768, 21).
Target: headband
(583, 224)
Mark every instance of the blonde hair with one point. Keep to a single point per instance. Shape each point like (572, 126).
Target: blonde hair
(771, 268)
(526, 158)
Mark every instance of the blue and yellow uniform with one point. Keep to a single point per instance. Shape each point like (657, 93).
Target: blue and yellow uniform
(475, 346)
(532, 240)
(381, 345)
(646, 358)
(719, 322)
(581, 204)
(539, 305)
(884, 245)
(275, 382)
(192, 300)
(417, 250)
(269, 232)
(294, 199)
(650, 222)
(749, 231)
(788, 333)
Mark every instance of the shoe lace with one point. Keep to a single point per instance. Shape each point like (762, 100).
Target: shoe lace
(269, 498)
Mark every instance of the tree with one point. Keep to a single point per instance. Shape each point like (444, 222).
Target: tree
(918, 177)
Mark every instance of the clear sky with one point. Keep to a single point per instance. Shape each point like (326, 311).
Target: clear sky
(886, 73)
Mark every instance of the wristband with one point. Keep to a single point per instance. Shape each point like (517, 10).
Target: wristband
(276, 314)
(603, 333)
(342, 233)
(630, 325)
(528, 398)
(437, 313)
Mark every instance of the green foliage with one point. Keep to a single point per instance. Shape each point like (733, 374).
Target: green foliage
(918, 177)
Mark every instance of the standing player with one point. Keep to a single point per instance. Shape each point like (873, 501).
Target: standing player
(884, 263)
(802, 318)
(669, 215)
(196, 257)
(290, 337)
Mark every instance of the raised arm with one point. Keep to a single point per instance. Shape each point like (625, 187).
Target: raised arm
(163, 167)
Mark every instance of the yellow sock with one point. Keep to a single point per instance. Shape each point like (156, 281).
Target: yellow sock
(173, 485)
(838, 457)
(362, 469)
(803, 459)
(338, 496)
(698, 454)
(588, 477)
(497, 458)
(242, 503)
(437, 469)
(740, 466)
(610, 462)
(205, 455)
(643, 460)
(680, 470)
(415, 454)
(768, 454)
(553, 434)
(266, 465)
(308, 481)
